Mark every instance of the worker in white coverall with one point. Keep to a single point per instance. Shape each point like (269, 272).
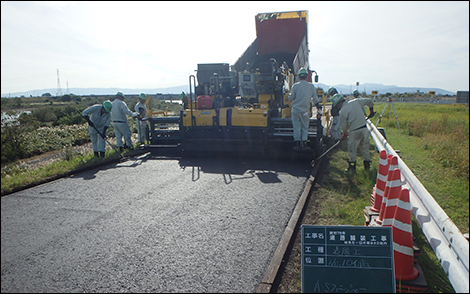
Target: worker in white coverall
(301, 96)
(142, 125)
(98, 116)
(119, 117)
(336, 103)
(353, 125)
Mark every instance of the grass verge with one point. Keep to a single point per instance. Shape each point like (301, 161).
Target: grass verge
(339, 199)
(19, 178)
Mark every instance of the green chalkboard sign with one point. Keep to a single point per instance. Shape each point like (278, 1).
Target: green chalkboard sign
(347, 259)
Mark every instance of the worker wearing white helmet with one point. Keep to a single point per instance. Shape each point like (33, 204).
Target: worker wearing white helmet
(98, 117)
(301, 96)
(119, 117)
(353, 125)
(142, 125)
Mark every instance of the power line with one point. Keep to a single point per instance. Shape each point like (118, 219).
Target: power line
(59, 89)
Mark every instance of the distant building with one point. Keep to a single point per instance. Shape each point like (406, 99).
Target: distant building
(462, 97)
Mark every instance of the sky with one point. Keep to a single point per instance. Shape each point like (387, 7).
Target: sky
(158, 44)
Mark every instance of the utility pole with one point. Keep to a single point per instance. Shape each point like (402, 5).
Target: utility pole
(59, 89)
(68, 87)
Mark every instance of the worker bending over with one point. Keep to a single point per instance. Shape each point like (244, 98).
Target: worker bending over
(98, 117)
(353, 125)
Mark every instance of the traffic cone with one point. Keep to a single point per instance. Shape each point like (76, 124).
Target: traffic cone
(392, 198)
(393, 165)
(403, 240)
(378, 191)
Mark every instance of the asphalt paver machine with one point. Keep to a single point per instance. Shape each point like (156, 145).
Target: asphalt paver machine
(244, 107)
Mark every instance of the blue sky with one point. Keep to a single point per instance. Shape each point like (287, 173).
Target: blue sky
(159, 44)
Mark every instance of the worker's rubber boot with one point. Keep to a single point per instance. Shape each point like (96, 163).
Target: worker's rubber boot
(367, 164)
(297, 146)
(351, 167)
(305, 147)
(121, 149)
(96, 154)
(102, 154)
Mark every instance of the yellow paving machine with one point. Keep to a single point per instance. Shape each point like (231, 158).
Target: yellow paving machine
(244, 107)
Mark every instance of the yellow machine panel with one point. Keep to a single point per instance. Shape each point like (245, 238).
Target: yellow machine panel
(249, 117)
(203, 117)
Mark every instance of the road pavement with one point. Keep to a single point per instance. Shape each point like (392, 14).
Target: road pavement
(150, 224)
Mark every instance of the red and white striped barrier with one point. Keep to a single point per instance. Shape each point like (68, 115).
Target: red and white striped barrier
(403, 252)
(392, 198)
(393, 165)
(382, 173)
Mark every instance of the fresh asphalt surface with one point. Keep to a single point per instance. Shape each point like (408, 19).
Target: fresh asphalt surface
(151, 224)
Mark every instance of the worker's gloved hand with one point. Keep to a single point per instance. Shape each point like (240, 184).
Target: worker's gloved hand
(371, 114)
(344, 136)
(135, 114)
(103, 135)
(87, 118)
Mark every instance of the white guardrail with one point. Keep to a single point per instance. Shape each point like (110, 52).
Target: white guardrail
(448, 243)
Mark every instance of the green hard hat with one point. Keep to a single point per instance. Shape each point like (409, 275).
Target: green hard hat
(120, 94)
(107, 105)
(303, 71)
(332, 91)
(336, 99)
(355, 93)
(143, 96)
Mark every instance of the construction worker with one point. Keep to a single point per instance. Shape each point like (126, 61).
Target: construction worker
(119, 117)
(142, 125)
(336, 103)
(301, 96)
(98, 117)
(353, 125)
(357, 96)
(184, 100)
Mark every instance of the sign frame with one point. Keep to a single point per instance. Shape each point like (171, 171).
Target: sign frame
(347, 259)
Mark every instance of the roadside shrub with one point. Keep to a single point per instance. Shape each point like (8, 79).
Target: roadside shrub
(45, 114)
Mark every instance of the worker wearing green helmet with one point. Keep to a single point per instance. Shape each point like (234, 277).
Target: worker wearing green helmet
(121, 127)
(332, 91)
(353, 125)
(356, 93)
(302, 93)
(336, 103)
(142, 125)
(98, 117)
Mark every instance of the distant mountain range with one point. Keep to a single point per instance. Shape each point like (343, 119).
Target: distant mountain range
(343, 89)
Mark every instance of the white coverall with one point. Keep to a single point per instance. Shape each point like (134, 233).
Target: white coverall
(141, 124)
(353, 121)
(99, 120)
(301, 96)
(119, 114)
